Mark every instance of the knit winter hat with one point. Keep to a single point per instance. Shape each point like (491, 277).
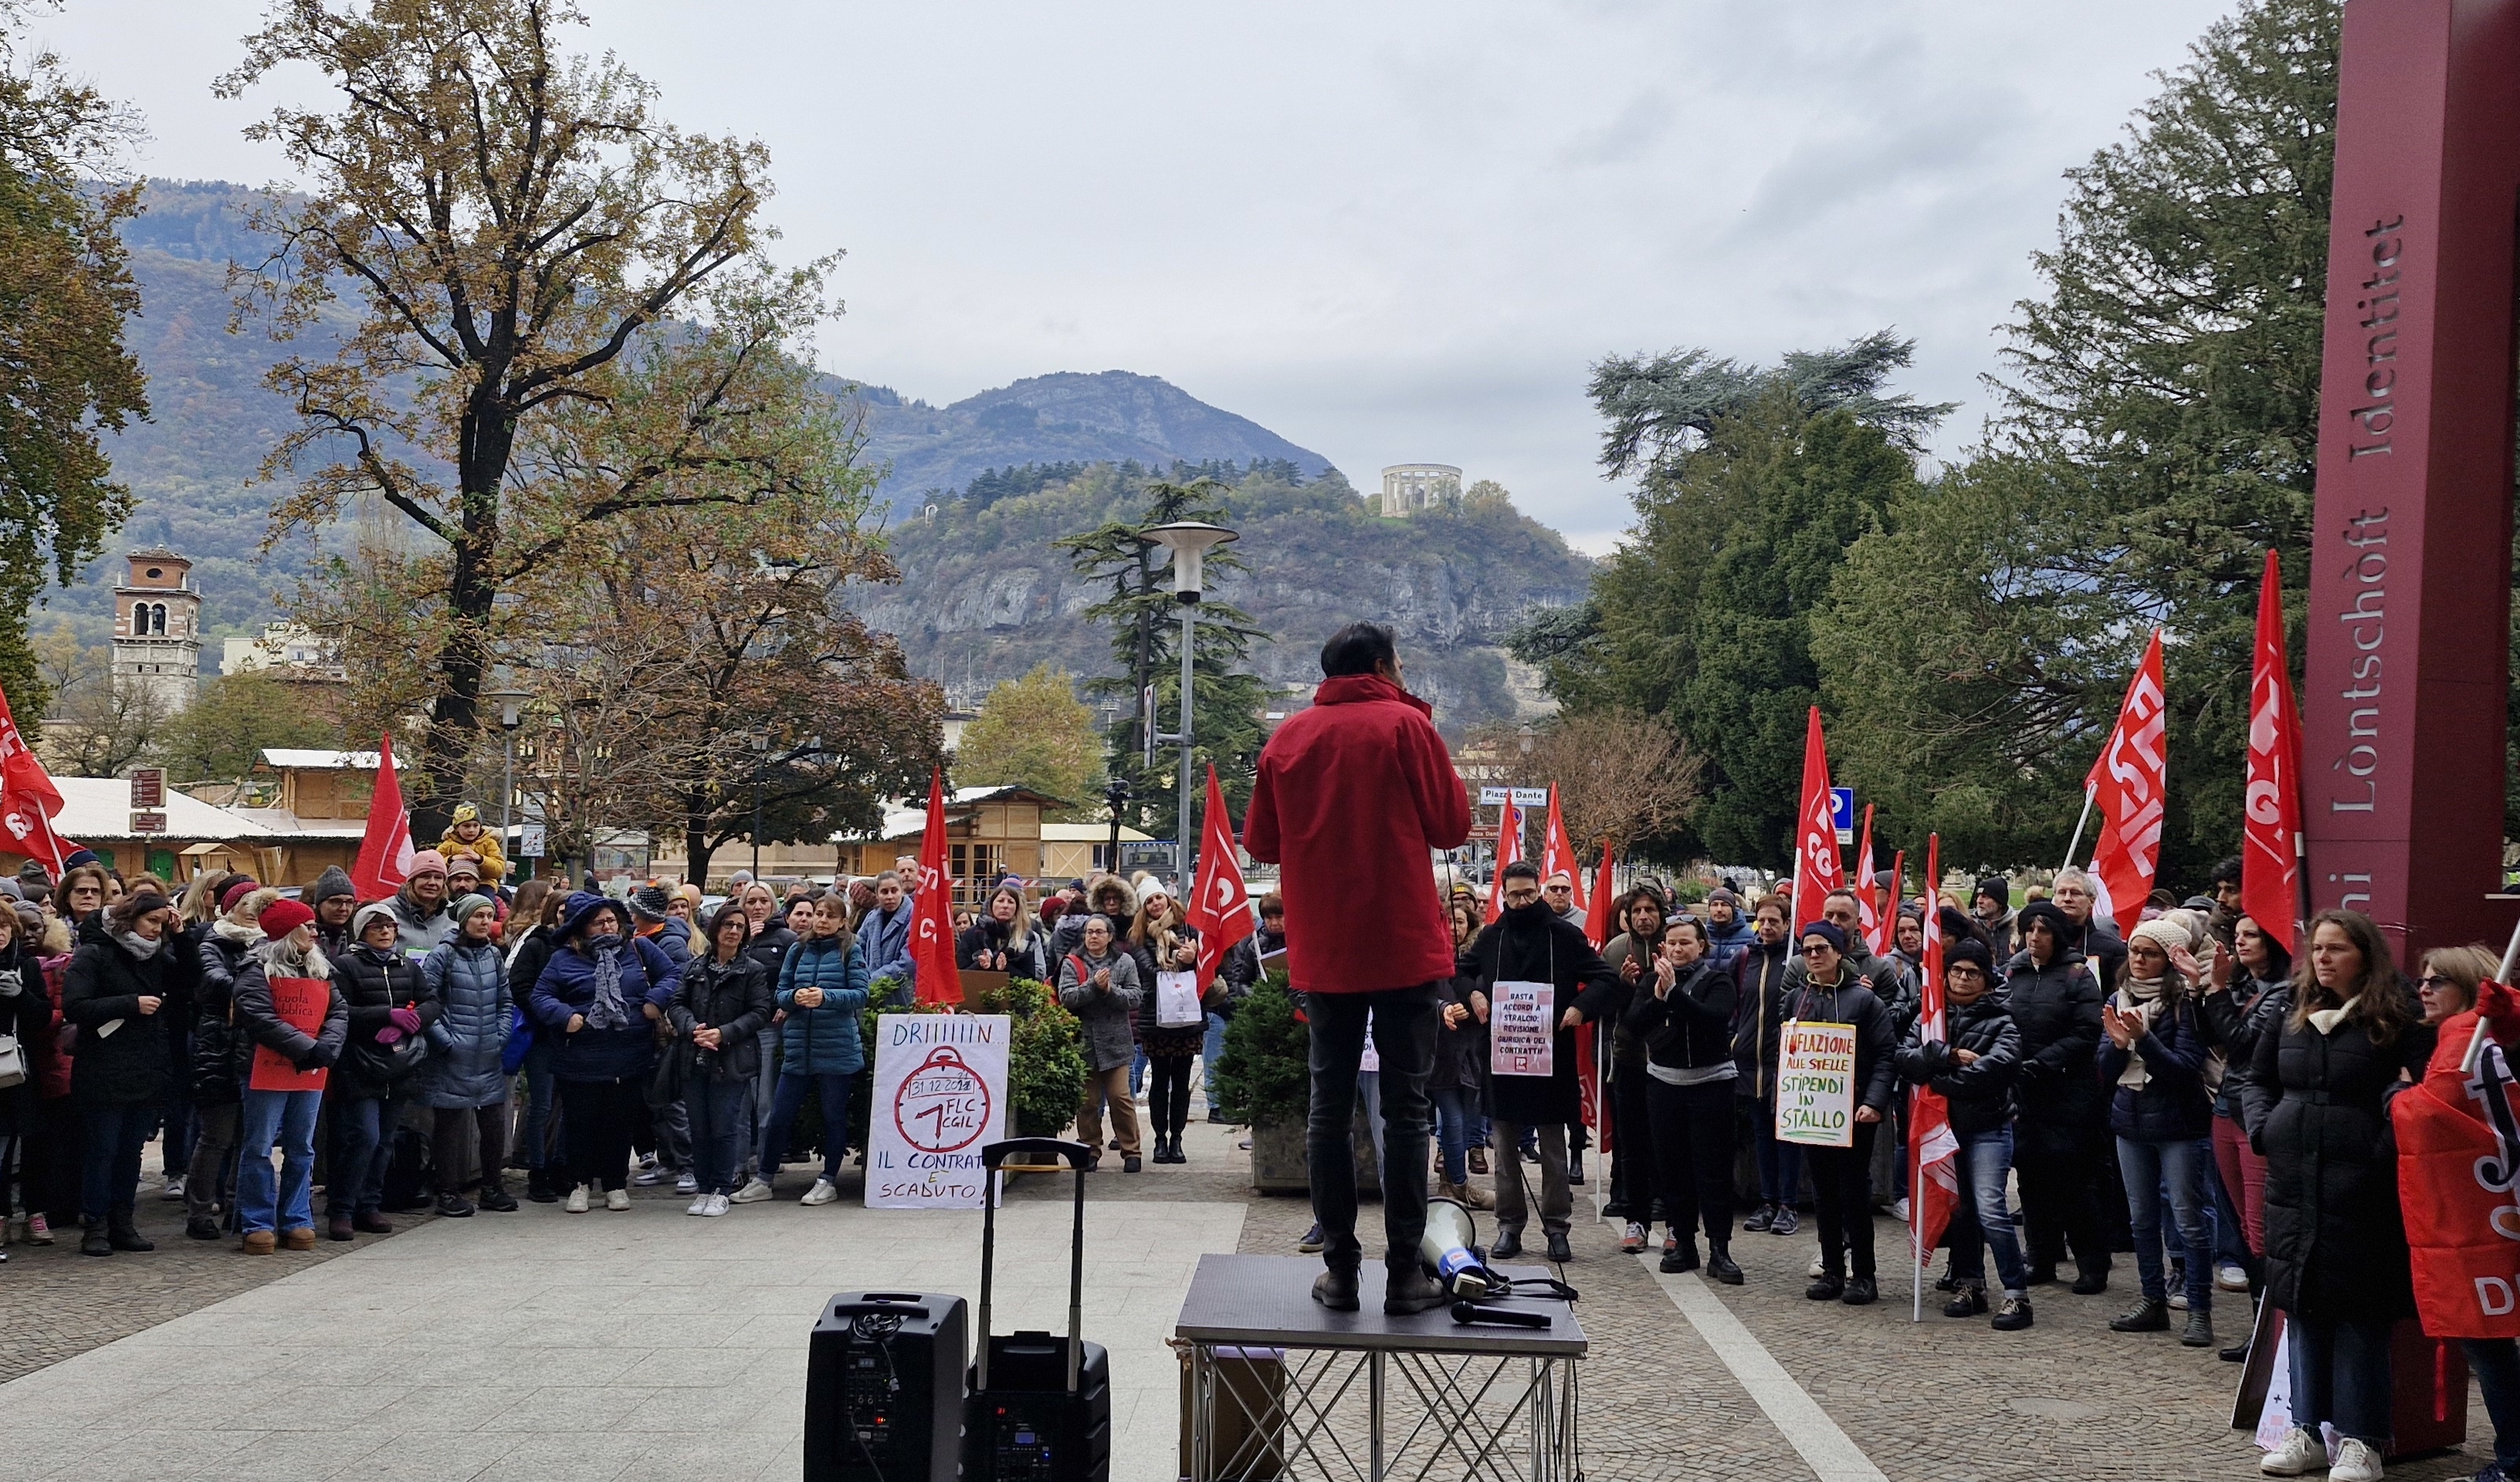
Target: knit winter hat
(464, 864)
(649, 902)
(467, 813)
(2167, 932)
(1969, 949)
(466, 904)
(369, 913)
(284, 916)
(334, 881)
(2045, 911)
(236, 890)
(427, 862)
(1999, 887)
(1825, 930)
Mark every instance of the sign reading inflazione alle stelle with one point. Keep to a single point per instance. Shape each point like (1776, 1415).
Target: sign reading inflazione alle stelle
(1815, 1084)
(940, 1096)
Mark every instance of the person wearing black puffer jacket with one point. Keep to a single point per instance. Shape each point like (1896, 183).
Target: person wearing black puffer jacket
(1682, 1018)
(117, 992)
(2154, 1058)
(720, 1008)
(391, 1007)
(1830, 992)
(221, 1054)
(1972, 1067)
(1759, 976)
(2059, 1147)
(771, 936)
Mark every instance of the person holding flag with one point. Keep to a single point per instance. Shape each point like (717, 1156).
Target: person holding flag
(1970, 1064)
(1220, 912)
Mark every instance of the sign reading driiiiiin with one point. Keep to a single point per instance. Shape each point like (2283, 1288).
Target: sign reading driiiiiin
(1815, 1084)
(940, 1095)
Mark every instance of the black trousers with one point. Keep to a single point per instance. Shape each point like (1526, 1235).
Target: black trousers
(2060, 1170)
(1633, 1182)
(1404, 1036)
(1168, 1093)
(1842, 1186)
(1692, 1152)
(601, 1118)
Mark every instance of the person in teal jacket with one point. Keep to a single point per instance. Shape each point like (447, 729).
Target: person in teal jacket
(822, 989)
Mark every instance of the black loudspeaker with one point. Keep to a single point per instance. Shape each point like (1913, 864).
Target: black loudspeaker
(883, 1388)
(1040, 1407)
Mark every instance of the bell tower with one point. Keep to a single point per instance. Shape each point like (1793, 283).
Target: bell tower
(157, 628)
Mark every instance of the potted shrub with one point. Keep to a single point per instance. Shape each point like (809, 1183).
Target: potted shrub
(1265, 1079)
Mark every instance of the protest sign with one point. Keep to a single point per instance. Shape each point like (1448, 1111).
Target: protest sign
(302, 1003)
(940, 1095)
(1520, 1038)
(1815, 1084)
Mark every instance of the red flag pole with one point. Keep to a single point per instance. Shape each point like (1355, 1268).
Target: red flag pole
(931, 922)
(1929, 962)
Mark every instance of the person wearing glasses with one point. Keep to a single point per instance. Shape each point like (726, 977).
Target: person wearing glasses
(1971, 1068)
(2450, 975)
(1832, 992)
(1558, 890)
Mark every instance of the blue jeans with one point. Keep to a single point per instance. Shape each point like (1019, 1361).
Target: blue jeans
(2496, 1362)
(1138, 1071)
(1403, 1021)
(2340, 1375)
(362, 1151)
(1780, 1164)
(793, 1086)
(1211, 1050)
(2178, 1166)
(1457, 1110)
(716, 1106)
(1983, 1217)
(115, 1136)
(286, 1117)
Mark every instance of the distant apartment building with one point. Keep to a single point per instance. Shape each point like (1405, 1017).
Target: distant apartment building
(290, 649)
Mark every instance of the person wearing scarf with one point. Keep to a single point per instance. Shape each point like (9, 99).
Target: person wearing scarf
(116, 994)
(600, 996)
(220, 1054)
(2153, 1057)
(272, 1215)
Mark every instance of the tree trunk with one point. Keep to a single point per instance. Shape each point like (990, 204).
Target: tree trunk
(697, 848)
(488, 439)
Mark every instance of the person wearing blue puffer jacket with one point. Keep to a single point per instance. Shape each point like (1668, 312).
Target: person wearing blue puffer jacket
(600, 996)
(465, 1079)
(822, 989)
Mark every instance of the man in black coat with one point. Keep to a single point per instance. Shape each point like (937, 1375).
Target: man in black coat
(2060, 1143)
(1529, 943)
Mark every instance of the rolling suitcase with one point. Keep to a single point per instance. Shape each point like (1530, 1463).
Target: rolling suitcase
(1039, 1409)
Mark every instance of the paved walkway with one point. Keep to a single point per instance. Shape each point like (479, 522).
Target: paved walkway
(648, 1344)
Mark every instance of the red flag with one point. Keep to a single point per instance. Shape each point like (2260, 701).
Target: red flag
(1596, 910)
(1898, 896)
(1818, 870)
(1934, 1191)
(2127, 784)
(1220, 905)
(931, 920)
(1509, 849)
(1557, 851)
(2458, 1136)
(1870, 919)
(2270, 822)
(384, 852)
(28, 799)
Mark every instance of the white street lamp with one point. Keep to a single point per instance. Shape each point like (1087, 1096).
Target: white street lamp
(1190, 541)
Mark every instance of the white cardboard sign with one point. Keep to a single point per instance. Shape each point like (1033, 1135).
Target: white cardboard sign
(940, 1096)
(1815, 1084)
(1520, 1039)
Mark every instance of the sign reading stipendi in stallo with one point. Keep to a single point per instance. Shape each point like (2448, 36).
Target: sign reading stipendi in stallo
(940, 1096)
(1815, 1084)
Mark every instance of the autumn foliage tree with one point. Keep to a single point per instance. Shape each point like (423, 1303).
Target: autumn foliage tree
(564, 319)
(1034, 732)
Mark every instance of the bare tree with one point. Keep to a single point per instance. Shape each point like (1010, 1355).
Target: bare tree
(1620, 776)
(99, 725)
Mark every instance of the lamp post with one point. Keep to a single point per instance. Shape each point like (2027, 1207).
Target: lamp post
(1190, 541)
(1115, 797)
(511, 714)
(760, 744)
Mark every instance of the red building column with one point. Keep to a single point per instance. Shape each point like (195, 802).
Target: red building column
(2409, 633)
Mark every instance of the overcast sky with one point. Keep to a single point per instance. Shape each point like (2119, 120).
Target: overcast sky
(1390, 232)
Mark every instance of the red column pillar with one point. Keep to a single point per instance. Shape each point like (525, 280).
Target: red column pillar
(2409, 592)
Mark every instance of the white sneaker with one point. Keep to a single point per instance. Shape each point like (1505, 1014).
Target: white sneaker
(717, 1206)
(617, 1199)
(2301, 1451)
(1818, 1266)
(2356, 1461)
(2230, 1278)
(2178, 1301)
(686, 1183)
(823, 1192)
(751, 1193)
(174, 1188)
(576, 1200)
(1899, 1210)
(698, 1205)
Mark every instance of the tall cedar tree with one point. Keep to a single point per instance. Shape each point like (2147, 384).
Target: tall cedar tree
(1145, 627)
(65, 373)
(2159, 436)
(514, 220)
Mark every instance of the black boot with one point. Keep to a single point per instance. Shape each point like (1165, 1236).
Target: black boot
(1179, 1156)
(538, 1186)
(124, 1235)
(2095, 1279)
(92, 1238)
(1721, 1266)
(2147, 1315)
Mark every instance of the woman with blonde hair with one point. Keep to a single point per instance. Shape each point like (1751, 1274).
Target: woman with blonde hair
(2450, 979)
(1162, 940)
(1002, 939)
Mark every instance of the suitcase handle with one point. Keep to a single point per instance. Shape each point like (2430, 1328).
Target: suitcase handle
(1078, 1155)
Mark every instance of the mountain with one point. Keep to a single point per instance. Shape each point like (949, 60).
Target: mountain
(1112, 417)
(983, 596)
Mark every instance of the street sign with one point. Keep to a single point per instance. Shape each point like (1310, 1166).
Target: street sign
(148, 823)
(148, 789)
(1490, 797)
(1841, 812)
(1528, 797)
(530, 842)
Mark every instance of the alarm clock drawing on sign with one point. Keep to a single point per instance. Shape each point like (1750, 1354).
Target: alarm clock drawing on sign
(943, 1106)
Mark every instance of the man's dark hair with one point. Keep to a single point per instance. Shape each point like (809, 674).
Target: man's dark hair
(2227, 872)
(1358, 649)
(1520, 870)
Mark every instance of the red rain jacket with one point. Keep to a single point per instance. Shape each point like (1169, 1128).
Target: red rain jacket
(1352, 794)
(2455, 1151)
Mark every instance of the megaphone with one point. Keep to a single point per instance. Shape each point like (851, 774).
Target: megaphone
(1450, 1250)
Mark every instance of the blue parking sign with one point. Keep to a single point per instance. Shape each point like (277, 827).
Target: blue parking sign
(1841, 808)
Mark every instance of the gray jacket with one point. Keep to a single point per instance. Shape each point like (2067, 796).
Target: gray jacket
(1107, 1014)
(469, 980)
(416, 934)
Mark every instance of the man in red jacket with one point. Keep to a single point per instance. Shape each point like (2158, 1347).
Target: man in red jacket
(1352, 796)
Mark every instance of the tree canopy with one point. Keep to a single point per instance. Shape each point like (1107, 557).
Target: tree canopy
(1034, 732)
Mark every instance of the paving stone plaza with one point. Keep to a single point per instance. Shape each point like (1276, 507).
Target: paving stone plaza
(647, 1344)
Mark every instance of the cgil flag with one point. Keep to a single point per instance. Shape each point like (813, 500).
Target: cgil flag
(1220, 904)
(2126, 787)
(29, 801)
(1598, 927)
(2459, 1165)
(1818, 870)
(1557, 851)
(933, 969)
(1509, 849)
(1898, 897)
(1936, 1184)
(1872, 920)
(384, 850)
(2270, 813)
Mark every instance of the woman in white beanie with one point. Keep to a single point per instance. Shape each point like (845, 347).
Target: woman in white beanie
(2154, 1058)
